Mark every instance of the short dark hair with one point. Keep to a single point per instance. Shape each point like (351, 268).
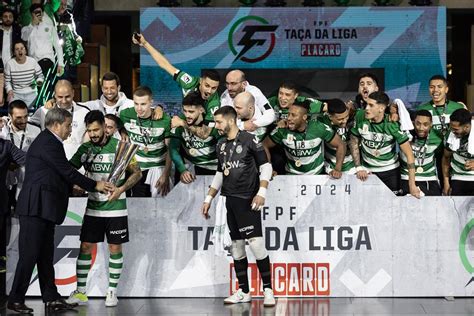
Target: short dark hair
(211, 74)
(142, 91)
(109, 76)
(380, 97)
(290, 85)
(35, 6)
(227, 112)
(56, 115)
(336, 106)
(306, 104)
(462, 116)
(115, 118)
(17, 104)
(424, 113)
(94, 116)
(193, 98)
(369, 75)
(11, 10)
(18, 41)
(439, 77)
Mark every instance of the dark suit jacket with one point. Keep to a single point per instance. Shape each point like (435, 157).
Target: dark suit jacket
(48, 180)
(8, 153)
(16, 36)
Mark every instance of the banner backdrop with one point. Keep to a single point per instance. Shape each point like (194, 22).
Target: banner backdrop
(325, 238)
(404, 45)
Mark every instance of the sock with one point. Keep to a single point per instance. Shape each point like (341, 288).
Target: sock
(264, 269)
(240, 267)
(83, 266)
(115, 269)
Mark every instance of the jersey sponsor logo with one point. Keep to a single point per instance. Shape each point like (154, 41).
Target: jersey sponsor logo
(186, 78)
(231, 164)
(370, 143)
(253, 37)
(300, 152)
(289, 279)
(100, 167)
(140, 139)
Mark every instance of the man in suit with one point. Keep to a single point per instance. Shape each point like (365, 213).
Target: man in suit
(8, 154)
(42, 204)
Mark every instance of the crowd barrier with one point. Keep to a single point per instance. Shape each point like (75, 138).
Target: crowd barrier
(334, 238)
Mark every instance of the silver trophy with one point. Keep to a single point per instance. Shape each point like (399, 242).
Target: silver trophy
(123, 156)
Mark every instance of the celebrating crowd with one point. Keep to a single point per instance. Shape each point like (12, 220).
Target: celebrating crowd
(242, 137)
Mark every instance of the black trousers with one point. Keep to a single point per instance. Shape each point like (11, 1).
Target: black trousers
(462, 188)
(391, 179)
(141, 189)
(3, 249)
(203, 171)
(47, 67)
(36, 246)
(429, 188)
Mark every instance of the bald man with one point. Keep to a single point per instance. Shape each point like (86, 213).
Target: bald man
(244, 105)
(236, 83)
(64, 99)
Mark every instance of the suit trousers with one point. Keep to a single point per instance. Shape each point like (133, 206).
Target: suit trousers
(36, 247)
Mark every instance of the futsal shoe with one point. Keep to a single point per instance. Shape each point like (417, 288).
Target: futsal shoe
(238, 297)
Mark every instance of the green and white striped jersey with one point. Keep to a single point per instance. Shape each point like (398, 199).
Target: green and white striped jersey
(330, 152)
(441, 115)
(378, 142)
(200, 152)
(459, 158)
(98, 161)
(315, 108)
(304, 150)
(424, 151)
(149, 135)
(190, 83)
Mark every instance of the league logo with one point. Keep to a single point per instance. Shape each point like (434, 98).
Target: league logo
(252, 37)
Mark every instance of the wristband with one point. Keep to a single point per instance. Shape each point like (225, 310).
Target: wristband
(208, 199)
(262, 192)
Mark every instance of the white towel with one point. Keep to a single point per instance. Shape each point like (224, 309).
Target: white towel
(470, 142)
(405, 120)
(154, 173)
(221, 236)
(455, 142)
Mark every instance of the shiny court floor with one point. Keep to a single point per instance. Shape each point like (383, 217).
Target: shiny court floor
(316, 307)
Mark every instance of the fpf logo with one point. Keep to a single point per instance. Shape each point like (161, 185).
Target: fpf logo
(462, 250)
(62, 232)
(252, 38)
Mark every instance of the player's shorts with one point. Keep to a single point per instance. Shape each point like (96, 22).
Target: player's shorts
(243, 222)
(115, 228)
